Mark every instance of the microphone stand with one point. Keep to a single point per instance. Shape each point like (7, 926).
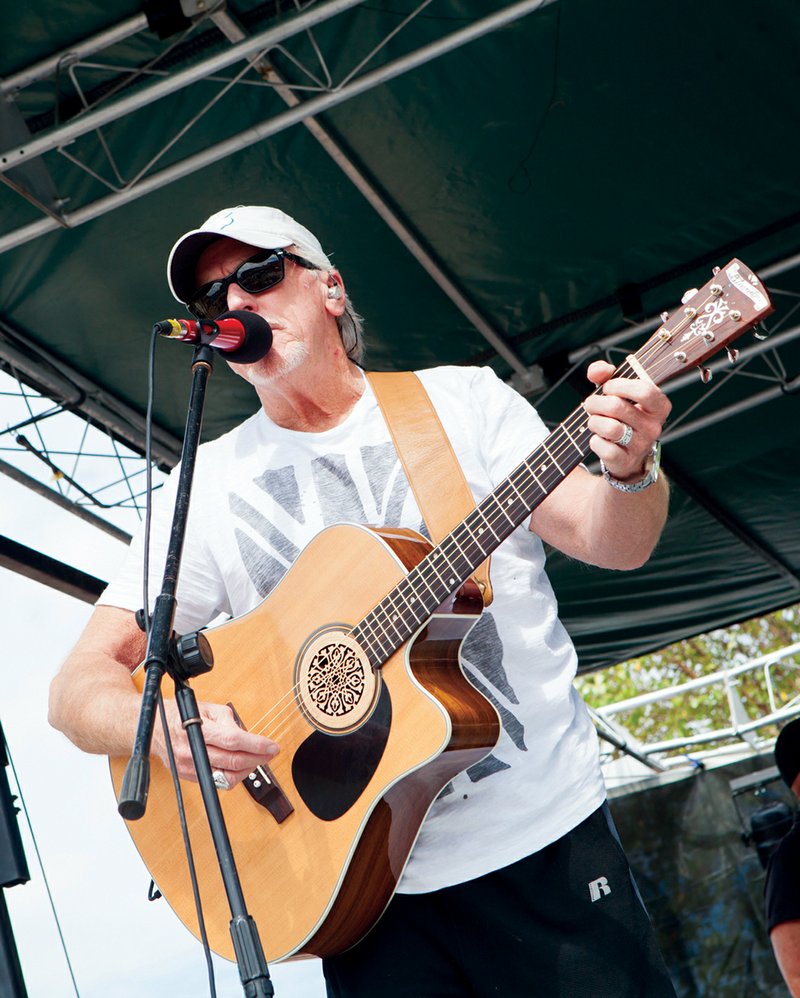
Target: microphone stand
(162, 657)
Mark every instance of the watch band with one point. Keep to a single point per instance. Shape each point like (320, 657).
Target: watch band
(651, 473)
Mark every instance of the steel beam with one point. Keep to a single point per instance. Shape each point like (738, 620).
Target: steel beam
(50, 572)
(265, 129)
(59, 381)
(92, 120)
(46, 67)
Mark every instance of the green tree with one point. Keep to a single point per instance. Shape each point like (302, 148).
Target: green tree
(704, 710)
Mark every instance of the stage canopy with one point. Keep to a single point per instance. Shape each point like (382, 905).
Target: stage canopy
(526, 185)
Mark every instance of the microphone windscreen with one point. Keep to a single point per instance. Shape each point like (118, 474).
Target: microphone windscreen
(257, 337)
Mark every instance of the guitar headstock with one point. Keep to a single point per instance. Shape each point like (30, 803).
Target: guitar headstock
(733, 301)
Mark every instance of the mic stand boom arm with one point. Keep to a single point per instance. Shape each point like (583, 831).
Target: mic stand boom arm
(250, 959)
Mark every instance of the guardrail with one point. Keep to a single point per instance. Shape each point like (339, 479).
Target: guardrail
(667, 753)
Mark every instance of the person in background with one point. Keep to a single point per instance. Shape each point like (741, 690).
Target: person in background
(782, 885)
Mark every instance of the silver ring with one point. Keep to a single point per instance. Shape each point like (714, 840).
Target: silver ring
(627, 436)
(221, 780)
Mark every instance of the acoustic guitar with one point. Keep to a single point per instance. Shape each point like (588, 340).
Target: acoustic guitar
(352, 666)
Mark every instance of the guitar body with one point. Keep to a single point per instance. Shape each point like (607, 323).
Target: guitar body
(364, 751)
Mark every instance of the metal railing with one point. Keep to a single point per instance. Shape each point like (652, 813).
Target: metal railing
(670, 752)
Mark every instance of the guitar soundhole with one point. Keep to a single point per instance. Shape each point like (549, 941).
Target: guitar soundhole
(336, 685)
(336, 680)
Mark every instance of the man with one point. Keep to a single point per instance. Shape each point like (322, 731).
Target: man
(782, 886)
(517, 884)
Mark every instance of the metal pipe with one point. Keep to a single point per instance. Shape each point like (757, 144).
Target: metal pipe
(41, 70)
(670, 436)
(19, 476)
(60, 381)
(648, 325)
(715, 736)
(401, 229)
(92, 120)
(694, 684)
(265, 129)
(774, 342)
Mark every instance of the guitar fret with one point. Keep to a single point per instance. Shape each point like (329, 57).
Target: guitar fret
(547, 449)
(473, 552)
(533, 474)
(486, 522)
(374, 618)
(435, 571)
(572, 440)
(500, 509)
(366, 640)
(519, 494)
(425, 581)
(417, 597)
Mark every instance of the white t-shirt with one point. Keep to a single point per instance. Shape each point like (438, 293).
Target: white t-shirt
(261, 492)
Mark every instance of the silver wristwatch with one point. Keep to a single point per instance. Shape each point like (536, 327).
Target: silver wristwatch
(651, 473)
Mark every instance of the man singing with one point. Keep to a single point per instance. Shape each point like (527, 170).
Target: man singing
(517, 884)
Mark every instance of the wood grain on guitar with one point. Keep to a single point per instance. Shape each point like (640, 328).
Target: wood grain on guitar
(352, 666)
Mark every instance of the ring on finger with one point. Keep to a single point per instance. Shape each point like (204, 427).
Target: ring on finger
(221, 780)
(627, 436)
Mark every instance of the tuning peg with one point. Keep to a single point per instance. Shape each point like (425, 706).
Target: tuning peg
(664, 316)
(733, 354)
(758, 332)
(705, 374)
(715, 271)
(688, 295)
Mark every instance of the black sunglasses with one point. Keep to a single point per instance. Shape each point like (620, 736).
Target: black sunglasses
(260, 273)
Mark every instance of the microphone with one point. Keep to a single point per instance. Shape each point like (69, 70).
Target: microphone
(243, 337)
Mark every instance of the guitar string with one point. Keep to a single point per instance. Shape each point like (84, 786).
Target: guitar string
(657, 343)
(579, 416)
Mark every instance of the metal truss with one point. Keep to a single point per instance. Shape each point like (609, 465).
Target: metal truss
(758, 362)
(33, 450)
(242, 55)
(70, 461)
(313, 91)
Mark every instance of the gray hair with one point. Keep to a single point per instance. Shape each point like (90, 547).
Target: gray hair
(351, 330)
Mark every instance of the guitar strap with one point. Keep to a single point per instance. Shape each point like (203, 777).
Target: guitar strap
(431, 466)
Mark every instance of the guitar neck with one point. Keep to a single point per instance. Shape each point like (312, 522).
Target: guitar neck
(731, 302)
(406, 608)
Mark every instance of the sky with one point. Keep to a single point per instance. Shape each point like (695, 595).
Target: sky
(118, 942)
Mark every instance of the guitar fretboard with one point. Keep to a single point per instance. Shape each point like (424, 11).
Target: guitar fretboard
(423, 590)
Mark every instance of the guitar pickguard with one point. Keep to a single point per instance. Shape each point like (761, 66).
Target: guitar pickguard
(330, 772)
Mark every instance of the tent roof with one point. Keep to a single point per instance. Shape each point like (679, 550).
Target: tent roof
(520, 184)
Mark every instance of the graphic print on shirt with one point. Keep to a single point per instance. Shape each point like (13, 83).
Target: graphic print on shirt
(288, 506)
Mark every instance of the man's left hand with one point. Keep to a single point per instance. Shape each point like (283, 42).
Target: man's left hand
(624, 403)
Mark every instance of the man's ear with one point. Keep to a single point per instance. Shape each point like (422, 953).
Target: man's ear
(334, 293)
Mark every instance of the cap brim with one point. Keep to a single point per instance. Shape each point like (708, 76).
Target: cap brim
(182, 263)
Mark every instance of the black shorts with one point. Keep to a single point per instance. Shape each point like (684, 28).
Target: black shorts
(566, 922)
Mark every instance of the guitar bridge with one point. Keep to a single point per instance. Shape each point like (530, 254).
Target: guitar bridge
(264, 788)
(266, 791)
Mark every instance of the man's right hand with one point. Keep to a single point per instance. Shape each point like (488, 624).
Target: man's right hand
(232, 751)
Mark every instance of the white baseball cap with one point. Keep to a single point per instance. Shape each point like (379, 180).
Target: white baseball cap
(258, 225)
